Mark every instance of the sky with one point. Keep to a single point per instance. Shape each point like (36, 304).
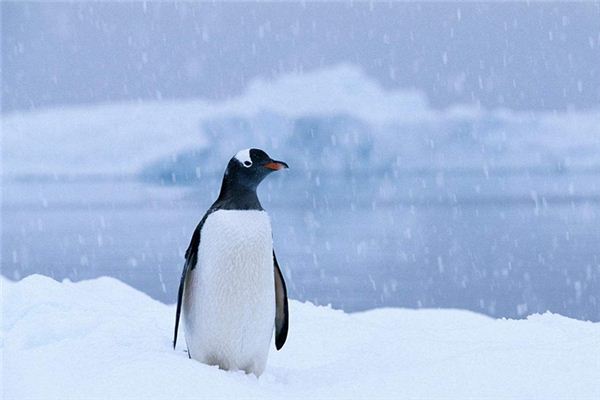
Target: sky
(521, 56)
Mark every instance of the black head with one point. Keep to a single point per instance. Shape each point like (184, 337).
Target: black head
(244, 173)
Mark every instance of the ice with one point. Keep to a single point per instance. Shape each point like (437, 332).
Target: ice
(335, 117)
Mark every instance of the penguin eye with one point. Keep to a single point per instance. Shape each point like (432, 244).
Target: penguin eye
(247, 164)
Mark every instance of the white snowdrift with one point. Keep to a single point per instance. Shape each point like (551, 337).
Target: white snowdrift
(101, 339)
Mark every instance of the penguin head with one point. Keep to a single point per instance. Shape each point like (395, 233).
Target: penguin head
(250, 166)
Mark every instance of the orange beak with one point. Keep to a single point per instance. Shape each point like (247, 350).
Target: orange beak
(276, 165)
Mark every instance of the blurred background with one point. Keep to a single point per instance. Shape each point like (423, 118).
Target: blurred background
(442, 154)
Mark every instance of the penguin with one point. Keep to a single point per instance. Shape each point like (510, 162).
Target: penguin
(232, 293)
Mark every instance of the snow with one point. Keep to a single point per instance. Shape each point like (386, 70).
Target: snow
(101, 339)
(337, 114)
(342, 89)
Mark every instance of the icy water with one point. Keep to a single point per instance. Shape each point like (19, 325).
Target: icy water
(506, 246)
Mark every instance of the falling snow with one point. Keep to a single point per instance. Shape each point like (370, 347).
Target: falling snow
(441, 155)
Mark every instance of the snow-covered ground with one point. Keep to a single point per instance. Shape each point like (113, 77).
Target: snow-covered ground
(101, 339)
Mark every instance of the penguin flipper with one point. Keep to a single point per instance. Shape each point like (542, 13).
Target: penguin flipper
(179, 302)
(191, 258)
(281, 307)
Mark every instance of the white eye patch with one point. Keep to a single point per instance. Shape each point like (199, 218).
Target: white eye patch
(243, 156)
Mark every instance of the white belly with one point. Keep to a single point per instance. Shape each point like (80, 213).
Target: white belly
(229, 300)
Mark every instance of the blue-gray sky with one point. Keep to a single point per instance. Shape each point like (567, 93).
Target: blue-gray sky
(515, 55)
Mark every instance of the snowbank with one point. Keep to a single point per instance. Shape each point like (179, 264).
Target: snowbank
(101, 339)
